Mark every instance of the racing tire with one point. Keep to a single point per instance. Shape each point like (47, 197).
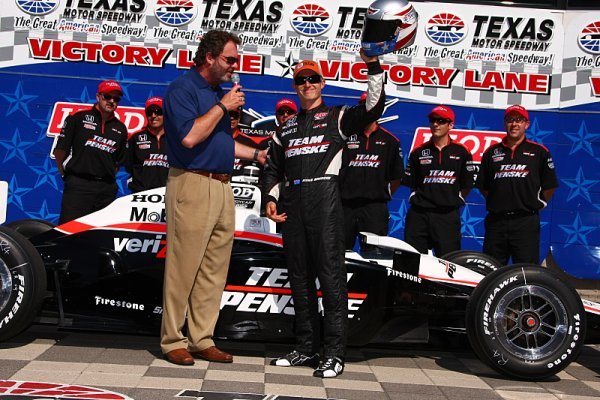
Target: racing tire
(31, 227)
(473, 260)
(22, 282)
(525, 322)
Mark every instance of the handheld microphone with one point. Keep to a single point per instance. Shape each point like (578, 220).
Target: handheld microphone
(235, 78)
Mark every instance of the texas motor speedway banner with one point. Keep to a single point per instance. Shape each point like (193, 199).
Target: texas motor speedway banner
(463, 55)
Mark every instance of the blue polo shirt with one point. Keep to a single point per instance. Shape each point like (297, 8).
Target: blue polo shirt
(187, 98)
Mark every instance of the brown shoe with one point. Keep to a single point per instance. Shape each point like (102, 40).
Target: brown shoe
(179, 357)
(213, 354)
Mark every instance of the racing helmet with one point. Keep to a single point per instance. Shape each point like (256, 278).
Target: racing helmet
(390, 25)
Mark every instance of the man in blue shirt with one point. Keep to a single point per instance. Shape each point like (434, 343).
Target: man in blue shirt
(199, 200)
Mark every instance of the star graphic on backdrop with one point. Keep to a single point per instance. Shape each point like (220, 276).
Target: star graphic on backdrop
(580, 186)
(46, 173)
(536, 134)
(84, 97)
(469, 222)
(124, 82)
(397, 218)
(16, 147)
(287, 65)
(582, 139)
(472, 124)
(18, 100)
(577, 232)
(42, 125)
(43, 213)
(15, 192)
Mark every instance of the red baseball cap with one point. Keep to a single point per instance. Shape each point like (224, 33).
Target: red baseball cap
(443, 112)
(517, 109)
(154, 101)
(286, 103)
(109, 86)
(307, 65)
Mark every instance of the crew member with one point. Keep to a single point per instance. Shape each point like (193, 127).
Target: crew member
(90, 148)
(146, 156)
(517, 179)
(305, 157)
(440, 174)
(284, 110)
(199, 199)
(372, 170)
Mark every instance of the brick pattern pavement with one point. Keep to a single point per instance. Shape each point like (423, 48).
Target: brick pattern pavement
(133, 366)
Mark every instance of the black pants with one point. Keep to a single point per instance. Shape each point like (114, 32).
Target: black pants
(314, 248)
(84, 196)
(513, 236)
(364, 216)
(431, 229)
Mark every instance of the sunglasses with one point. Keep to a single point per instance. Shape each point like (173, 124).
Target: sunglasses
(156, 112)
(439, 121)
(108, 97)
(301, 80)
(230, 60)
(518, 120)
(285, 112)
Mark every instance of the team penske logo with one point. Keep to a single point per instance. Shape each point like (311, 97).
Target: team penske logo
(102, 143)
(512, 171)
(307, 145)
(365, 160)
(267, 290)
(440, 176)
(156, 160)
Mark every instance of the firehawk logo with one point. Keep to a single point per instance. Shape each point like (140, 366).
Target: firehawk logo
(175, 12)
(38, 7)
(445, 29)
(311, 20)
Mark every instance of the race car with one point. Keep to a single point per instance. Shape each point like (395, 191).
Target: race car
(104, 271)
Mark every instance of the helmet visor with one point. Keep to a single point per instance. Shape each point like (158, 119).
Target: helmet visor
(376, 31)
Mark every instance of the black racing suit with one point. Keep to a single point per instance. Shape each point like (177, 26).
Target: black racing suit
(305, 158)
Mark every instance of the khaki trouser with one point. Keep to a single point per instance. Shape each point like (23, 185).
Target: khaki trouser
(200, 227)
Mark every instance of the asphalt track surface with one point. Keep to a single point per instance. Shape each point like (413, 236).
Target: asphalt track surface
(133, 367)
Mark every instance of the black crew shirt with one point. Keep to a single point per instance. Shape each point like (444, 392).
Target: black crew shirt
(146, 161)
(515, 179)
(437, 176)
(369, 164)
(94, 147)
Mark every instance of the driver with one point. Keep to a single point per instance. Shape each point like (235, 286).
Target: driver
(305, 157)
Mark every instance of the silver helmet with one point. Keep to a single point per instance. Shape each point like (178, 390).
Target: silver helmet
(390, 25)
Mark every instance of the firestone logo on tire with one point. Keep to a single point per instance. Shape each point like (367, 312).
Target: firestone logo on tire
(175, 12)
(445, 29)
(589, 38)
(37, 7)
(311, 20)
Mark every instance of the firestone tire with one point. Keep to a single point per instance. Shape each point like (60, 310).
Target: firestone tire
(22, 283)
(473, 260)
(524, 322)
(31, 227)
